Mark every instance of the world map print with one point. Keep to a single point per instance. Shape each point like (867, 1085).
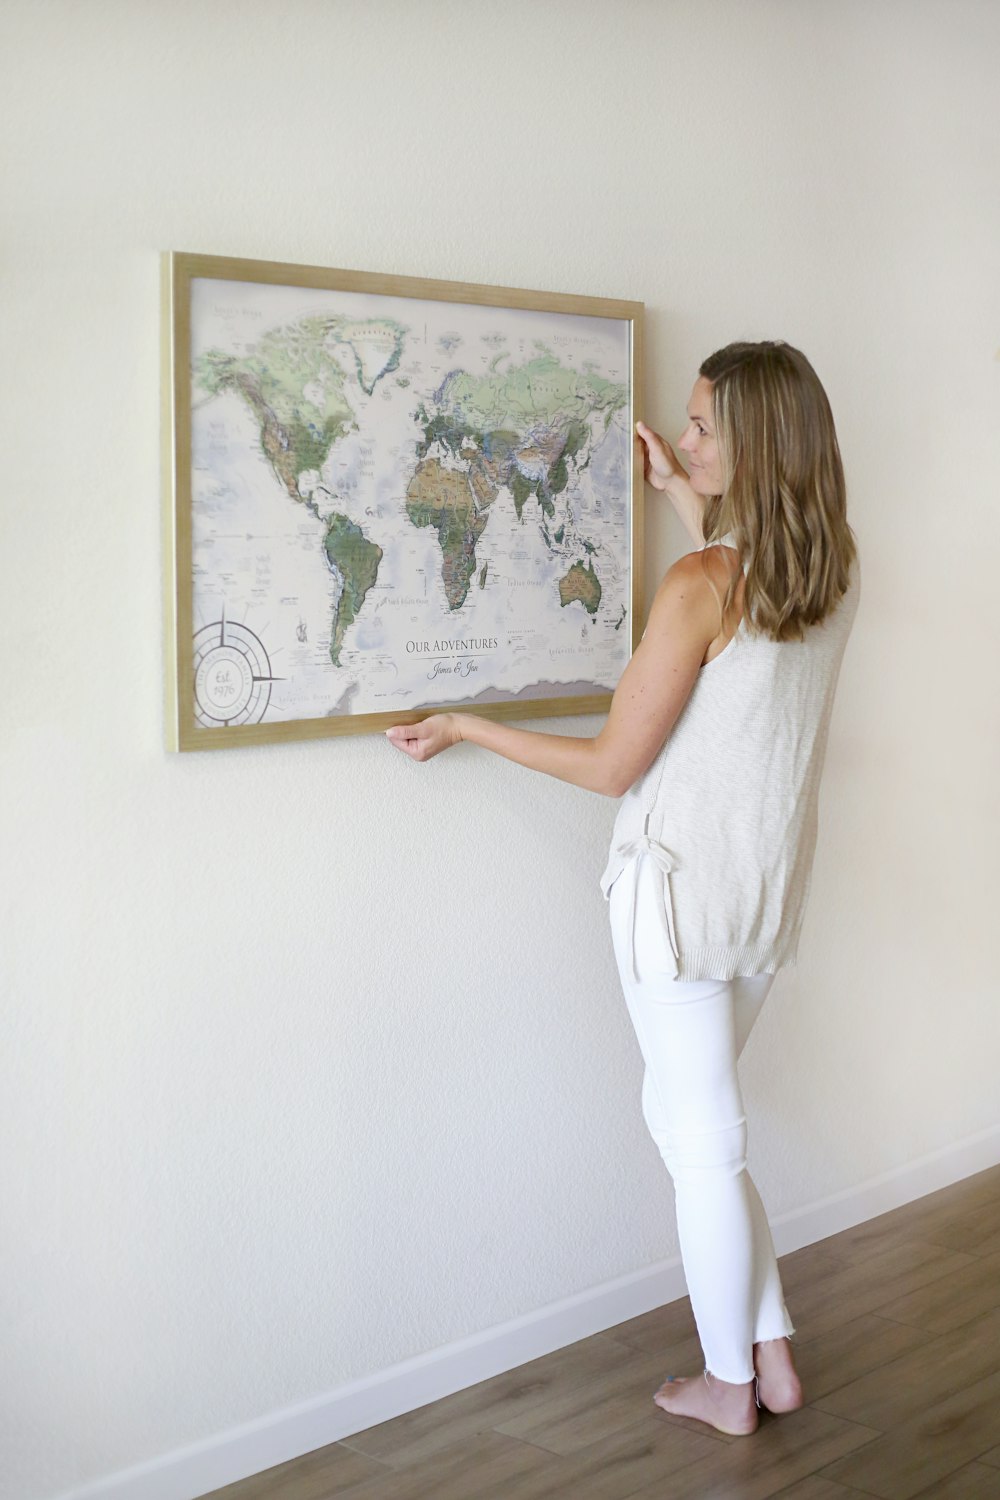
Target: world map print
(400, 503)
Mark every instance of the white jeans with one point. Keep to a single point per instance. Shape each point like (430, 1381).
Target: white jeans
(691, 1033)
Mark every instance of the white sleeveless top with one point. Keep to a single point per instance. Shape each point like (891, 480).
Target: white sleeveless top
(728, 811)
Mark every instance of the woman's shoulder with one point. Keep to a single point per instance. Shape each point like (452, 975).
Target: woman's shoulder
(716, 560)
(708, 573)
(725, 547)
(721, 556)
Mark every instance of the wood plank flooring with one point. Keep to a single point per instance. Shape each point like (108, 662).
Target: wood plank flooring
(897, 1343)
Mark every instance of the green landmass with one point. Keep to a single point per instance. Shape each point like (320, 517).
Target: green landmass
(576, 438)
(482, 575)
(443, 498)
(524, 418)
(558, 475)
(448, 430)
(528, 426)
(522, 489)
(357, 560)
(298, 430)
(581, 583)
(541, 390)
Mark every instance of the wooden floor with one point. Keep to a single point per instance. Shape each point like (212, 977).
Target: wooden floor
(897, 1342)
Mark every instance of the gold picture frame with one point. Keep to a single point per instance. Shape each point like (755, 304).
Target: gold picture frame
(291, 386)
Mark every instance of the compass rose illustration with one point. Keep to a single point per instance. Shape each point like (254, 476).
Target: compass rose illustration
(232, 675)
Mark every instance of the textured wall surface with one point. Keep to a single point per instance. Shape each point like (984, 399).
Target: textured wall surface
(315, 1059)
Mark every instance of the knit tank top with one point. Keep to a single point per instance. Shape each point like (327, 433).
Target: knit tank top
(728, 810)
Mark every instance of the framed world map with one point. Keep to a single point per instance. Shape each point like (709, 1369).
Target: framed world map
(386, 496)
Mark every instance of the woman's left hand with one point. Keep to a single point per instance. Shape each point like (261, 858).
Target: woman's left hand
(426, 739)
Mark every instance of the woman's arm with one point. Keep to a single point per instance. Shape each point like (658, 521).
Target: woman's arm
(664, 472)
(653, 689)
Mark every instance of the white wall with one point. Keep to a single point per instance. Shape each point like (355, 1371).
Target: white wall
(316, 1059)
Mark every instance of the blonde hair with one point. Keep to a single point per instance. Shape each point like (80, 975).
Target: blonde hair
(784, 495)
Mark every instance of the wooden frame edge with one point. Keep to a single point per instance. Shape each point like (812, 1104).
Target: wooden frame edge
(178, 269)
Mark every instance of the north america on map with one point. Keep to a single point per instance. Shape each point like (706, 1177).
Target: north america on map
(409, 514)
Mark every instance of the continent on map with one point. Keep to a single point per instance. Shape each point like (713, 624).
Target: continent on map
(355, 560)
(293, 382)
(581, 583)
(295, 389)
(526, 427)
(539, 392)
(376, 344)
(445, 499)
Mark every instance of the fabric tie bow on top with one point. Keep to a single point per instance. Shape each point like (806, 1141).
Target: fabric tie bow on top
(664, 861)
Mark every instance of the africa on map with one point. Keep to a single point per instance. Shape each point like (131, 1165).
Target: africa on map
(400, 503)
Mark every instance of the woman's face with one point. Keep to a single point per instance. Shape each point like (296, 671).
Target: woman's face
(699, 442)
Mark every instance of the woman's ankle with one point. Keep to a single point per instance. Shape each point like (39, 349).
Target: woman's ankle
(778, 1385)
(737, 1387)
(773, 1351)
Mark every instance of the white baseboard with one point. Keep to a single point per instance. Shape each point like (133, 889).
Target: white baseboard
(879, 1195)
(282, 1435)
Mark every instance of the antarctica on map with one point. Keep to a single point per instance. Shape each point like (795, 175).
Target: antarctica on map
(402, 503)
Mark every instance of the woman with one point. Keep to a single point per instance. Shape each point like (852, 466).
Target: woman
(715, 742)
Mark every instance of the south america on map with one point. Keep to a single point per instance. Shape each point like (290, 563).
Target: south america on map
(402, 503)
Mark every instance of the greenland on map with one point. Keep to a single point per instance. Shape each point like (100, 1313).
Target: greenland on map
(396, 503)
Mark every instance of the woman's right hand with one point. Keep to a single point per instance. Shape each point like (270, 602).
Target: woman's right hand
(660, 462)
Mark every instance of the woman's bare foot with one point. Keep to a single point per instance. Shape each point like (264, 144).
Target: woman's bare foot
(778, 1385)
(728, 1408)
